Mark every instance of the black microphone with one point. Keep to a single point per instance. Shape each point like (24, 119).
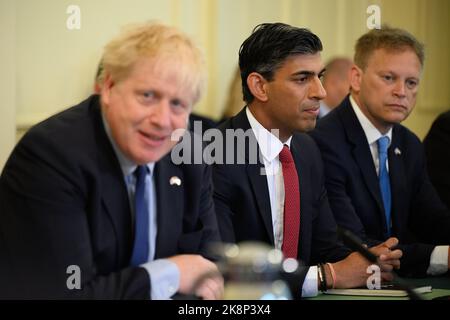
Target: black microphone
(354, 243)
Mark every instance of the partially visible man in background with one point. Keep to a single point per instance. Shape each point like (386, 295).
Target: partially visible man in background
(336, 82)
(437, 149)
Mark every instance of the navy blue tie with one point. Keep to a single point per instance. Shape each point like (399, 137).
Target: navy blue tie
(385, 185)
(141, 237)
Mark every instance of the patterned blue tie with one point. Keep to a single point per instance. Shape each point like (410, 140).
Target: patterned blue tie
(141, 237)
(385, 185)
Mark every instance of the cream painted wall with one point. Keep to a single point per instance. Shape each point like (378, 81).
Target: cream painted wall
(51, 67)
(7, 79)
(430, 22)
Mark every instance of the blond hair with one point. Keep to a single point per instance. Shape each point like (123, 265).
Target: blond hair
(390, 39)
(165, 45)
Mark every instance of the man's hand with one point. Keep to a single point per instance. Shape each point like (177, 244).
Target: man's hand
(200, 275)
(352, 271)
(388, 258)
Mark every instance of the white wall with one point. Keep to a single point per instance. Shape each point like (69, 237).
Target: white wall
(7, 79)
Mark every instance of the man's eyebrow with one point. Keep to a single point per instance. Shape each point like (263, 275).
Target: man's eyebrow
(307, 73)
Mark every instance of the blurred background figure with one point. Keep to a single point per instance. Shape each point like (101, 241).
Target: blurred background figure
(437, 149)
(235, 101)
(336, 82)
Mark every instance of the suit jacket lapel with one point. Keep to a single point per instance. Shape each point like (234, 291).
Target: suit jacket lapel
(114, 195)
(169, 206)
(258, 180)
(361, 151)
(260, 190)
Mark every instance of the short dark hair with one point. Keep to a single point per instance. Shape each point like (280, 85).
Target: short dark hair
(268, 47)
(388, 38)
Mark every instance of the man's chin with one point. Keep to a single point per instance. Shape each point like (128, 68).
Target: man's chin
(152, 156)
(397, 118)
(307, 126)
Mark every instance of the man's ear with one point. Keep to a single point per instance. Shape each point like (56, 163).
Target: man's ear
(355, 78)
(257, 85)
(108, 83)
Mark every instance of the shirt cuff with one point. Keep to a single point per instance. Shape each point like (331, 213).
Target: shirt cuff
(164, 278)
(310, 288)
(438, 261)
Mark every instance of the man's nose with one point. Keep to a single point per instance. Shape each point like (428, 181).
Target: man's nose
(400, 89)
(161, 114)
(317, 90)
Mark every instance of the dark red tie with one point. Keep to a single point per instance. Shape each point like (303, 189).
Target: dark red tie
(291, 223)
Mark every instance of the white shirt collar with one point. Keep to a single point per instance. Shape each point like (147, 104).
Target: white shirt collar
(269, 144)
(372, 133)
(126, 164)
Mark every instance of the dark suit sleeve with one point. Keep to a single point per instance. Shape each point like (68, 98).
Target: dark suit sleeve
(326, 247)
(325, 243)
(207, 217)
(431, 218)
(223, 203)
(437, 148)
(45, 227)
(429, 221)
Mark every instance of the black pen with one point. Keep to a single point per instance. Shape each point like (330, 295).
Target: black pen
(353, 242)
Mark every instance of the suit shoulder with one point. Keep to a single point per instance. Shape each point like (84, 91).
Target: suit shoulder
(227, 124)
(304, 139)
(64, 127)
(306, 142)
(329, 129)
(442, 122)
(407, 136)
(66, 139)
(444, 117)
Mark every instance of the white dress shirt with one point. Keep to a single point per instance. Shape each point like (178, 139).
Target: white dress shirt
(270, 147)
(439, 256)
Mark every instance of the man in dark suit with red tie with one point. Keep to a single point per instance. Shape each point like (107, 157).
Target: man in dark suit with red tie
(270, 187)
(375, 168)
(91, 204)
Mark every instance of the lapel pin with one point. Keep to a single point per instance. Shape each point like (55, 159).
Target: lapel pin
(397, 152)
(175, 181)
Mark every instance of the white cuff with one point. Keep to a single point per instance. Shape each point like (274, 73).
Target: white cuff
(164, 277)
(309, 288)
(438, 261)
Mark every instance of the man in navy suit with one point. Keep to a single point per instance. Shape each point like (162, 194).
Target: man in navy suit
(92, 205)
(281, 69)
(437, 150)
(375, 168)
